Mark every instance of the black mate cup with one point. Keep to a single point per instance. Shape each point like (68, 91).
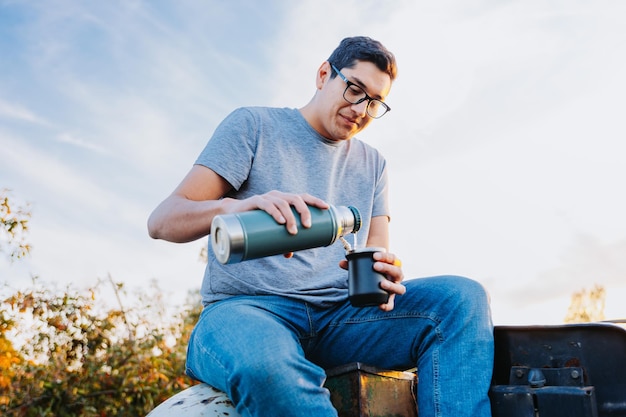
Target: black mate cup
(363, 281)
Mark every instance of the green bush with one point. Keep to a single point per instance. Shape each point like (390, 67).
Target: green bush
(62, 354)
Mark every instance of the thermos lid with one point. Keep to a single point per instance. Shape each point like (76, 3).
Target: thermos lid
(369, 249)
(357, 218)
(348, 219)
(227, 239)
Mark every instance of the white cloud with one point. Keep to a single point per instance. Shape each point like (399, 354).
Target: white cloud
(504, 142)
(81, 143)
(20, 113)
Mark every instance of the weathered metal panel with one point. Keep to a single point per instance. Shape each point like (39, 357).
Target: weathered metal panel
(524, 401)
(570, 370)
(512, 401)
(358, 390)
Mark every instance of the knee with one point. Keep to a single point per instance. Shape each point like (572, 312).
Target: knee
(470, 296)
(470, 313)
(470, 290)
(461, 296)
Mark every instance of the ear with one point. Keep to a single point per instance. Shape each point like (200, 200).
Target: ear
(323, 75)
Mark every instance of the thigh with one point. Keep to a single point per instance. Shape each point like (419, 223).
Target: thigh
(249, 347)
(425, 315)
(236, 335)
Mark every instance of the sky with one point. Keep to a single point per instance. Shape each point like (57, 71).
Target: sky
(505, 145)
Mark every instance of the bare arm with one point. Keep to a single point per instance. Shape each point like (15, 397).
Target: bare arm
(187, 213)
(379, 232)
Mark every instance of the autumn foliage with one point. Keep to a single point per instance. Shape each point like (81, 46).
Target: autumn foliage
(74, 359)
(587, 306)
(13, 227)
(92, 352)
(62, 355)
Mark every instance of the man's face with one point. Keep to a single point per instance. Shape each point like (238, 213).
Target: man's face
(339, 119)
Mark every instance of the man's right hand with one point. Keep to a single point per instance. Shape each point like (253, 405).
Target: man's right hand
(187, 213)
(278, 205)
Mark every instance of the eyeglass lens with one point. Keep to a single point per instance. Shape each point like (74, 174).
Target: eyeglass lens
(355, 95)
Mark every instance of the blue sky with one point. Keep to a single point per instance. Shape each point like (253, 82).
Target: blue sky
(506, 139)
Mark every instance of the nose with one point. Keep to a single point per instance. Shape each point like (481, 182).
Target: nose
(361, 108)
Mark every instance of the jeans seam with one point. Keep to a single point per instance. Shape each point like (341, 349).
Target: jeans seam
(436, 387)
(311, 332)
(209, 353)
(434, 318)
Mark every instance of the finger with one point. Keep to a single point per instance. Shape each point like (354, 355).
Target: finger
(343, 264)
(389, 305)
(393, 287)
(393, 273)
(314, 201)
(301, 207)
(283, 204)
(288, 203)
(388, 257)
(281, 207)
(291, 223)
(270, 204)
(302, 204)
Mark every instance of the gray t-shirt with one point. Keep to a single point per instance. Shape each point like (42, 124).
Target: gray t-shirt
(258, 149)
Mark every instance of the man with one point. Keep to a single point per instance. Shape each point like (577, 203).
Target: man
(271, 326)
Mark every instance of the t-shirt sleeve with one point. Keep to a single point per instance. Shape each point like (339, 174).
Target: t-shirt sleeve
(230, 151)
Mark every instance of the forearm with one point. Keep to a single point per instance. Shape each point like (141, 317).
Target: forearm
(379, 233)
(180, 220)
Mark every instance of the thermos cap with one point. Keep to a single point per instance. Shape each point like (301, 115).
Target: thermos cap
(369, 249)
(227, 239)
(348, 219)
(357, 218)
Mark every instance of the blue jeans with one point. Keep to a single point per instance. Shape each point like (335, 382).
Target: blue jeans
(268, 353)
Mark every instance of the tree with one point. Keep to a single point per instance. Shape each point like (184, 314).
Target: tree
(76, 359)
(66, 353)
(13, 227)
(587, 305)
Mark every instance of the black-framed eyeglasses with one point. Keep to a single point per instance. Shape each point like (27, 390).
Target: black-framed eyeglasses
(354, 94)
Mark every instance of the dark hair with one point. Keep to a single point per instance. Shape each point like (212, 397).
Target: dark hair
(362, 48)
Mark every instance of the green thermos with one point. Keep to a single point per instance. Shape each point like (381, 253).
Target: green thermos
(255, 234)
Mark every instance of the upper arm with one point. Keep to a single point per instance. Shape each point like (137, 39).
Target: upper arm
(201, 184)
(186, 213)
